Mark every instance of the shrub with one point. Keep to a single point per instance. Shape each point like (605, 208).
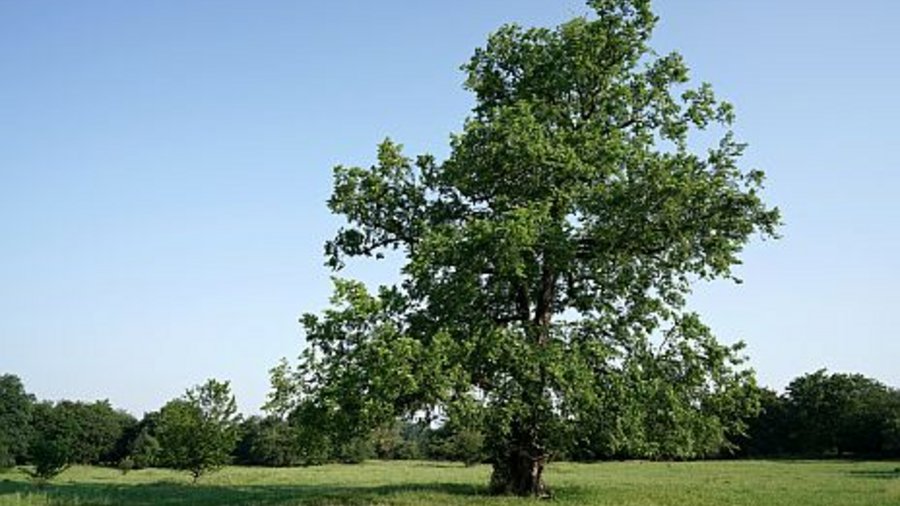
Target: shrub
(145, 450)
(355, 450)
(50, 457)
(126, 465)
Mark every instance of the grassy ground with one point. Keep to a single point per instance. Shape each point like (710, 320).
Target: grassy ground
(788, 483)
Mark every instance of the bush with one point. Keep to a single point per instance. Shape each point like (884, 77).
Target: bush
(50, 457)
(386, 441)
(313, 447)
(126, 465)
(464, 445)
(269, 442)
(145, 450)
(355, 450)
(409, 450)
(469, 446)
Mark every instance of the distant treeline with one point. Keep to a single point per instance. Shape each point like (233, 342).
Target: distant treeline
(826, 415)
(819, 415)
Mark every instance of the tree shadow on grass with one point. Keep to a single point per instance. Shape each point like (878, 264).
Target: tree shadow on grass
(176, 494)
(886, 474)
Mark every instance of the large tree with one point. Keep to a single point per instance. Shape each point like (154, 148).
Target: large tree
(548, 258)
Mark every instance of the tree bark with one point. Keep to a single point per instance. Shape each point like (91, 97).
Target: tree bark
(519, 468)
(519, 473)
(543, 313)
(519, 465)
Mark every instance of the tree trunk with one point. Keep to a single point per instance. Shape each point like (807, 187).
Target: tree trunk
(519, 473)
(519, 468)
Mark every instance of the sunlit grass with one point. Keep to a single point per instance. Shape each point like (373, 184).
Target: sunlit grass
(788, 483)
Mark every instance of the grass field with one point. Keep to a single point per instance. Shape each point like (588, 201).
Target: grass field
(788, 483)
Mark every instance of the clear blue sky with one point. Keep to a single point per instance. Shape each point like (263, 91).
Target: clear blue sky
(164, 167)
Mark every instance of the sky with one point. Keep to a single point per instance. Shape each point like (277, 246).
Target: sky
(164, 168)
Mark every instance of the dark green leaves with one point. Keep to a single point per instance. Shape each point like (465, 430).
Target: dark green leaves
(15, 420)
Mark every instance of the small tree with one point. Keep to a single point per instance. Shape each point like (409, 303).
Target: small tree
(198, 432)
(50, 448)
(50, 457)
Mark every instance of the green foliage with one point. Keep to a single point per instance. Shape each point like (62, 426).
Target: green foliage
(51, 449)
(96, 428)
(7, 461)
(314, 440)
(126, 465)
(90, 432)
(689, 399)
(465, 445)
(840, 413)
(281, 400)
(387, 441)
(139, 444)
(15, 420)
(768, 432)
(414, 441)
(548, 258)
(50, 457)
(461, 437)
(144, 450)
(469, 446)
(268, 441)
(198, 432)
(827, 415)
(402, 440)
(355, 450)
(891, 430)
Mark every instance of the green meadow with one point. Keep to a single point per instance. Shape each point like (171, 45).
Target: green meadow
(788, 483)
